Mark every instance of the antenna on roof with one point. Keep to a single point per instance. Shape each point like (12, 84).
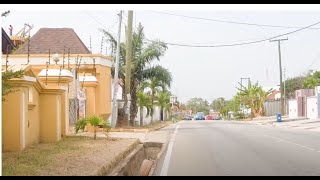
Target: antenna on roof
(28, 48)
(101, 45)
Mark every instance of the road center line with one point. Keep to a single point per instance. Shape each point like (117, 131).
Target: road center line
(165, 166)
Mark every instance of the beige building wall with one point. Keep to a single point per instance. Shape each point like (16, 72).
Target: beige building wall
(33, 122)
(50, 115)
(39, 113)
(90, 89)
(13, 116)
(103, 91)
(15, 135)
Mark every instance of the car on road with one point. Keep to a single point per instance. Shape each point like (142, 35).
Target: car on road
(209, 117)
(188, 117)
(200, 116)
(217, 117)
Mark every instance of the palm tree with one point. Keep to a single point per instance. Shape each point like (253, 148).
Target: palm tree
(155, 86)
(95, 122)
(163, 101)
(143, 53)
(143, 101)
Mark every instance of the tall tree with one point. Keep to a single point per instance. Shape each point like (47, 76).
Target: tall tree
(293, 84)
(221, 105)
(312, 80)
(155, 86)
(143, 53)
(198, 105)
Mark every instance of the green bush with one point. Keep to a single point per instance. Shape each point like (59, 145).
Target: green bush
(95, 121)
(240, 115)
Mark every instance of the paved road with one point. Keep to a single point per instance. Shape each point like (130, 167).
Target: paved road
(231, 148)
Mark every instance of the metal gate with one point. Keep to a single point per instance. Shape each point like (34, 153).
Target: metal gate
(73, 111)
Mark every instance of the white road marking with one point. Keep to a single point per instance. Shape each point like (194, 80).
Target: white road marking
(165, 167)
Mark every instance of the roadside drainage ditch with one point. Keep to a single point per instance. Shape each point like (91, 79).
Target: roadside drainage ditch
(141, 161)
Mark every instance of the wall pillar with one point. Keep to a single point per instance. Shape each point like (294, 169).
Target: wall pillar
(15, 115)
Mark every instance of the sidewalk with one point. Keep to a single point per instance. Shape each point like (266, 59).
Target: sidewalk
(298, 123)
(158, 135)
(309, 124)
(273, 119)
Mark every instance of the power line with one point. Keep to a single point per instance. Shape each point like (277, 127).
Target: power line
(230, 22)
(99, 22)
(239, 44)
(309, 67)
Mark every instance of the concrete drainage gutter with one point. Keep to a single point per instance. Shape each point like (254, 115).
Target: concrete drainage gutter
(159, 158)
(113, 163)
(141, 161)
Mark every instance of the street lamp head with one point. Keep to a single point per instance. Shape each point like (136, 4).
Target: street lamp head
(56, 58)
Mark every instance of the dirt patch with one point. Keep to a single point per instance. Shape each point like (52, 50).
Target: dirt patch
(76, 156)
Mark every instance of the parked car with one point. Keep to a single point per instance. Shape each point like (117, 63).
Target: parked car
(217, 117)
(188, 117)
(209, 117)
(200, 116)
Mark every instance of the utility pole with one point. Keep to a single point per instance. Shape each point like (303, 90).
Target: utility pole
(284, 91)
(280, 67)
(249, 82)
(128, 66)
(115, 81)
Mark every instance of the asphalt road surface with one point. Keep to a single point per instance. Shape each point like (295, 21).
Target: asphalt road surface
(225, 148)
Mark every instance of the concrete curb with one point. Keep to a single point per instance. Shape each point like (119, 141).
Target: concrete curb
(124, 162)
(159, 156)
(138, 130)
(107, 168)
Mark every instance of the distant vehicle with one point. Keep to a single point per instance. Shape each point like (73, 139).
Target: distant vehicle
(188, 117)
(217, 117)
(200, 116)
(209, 117)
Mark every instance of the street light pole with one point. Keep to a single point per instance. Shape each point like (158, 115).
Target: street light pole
(173, 98)
(116, 79)
(248, 81)
(128, 65)
(284, 91)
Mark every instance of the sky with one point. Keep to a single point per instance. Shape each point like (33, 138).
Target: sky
(208, 73)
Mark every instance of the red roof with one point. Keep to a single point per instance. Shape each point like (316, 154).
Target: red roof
(54, 39)
(272, 95)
